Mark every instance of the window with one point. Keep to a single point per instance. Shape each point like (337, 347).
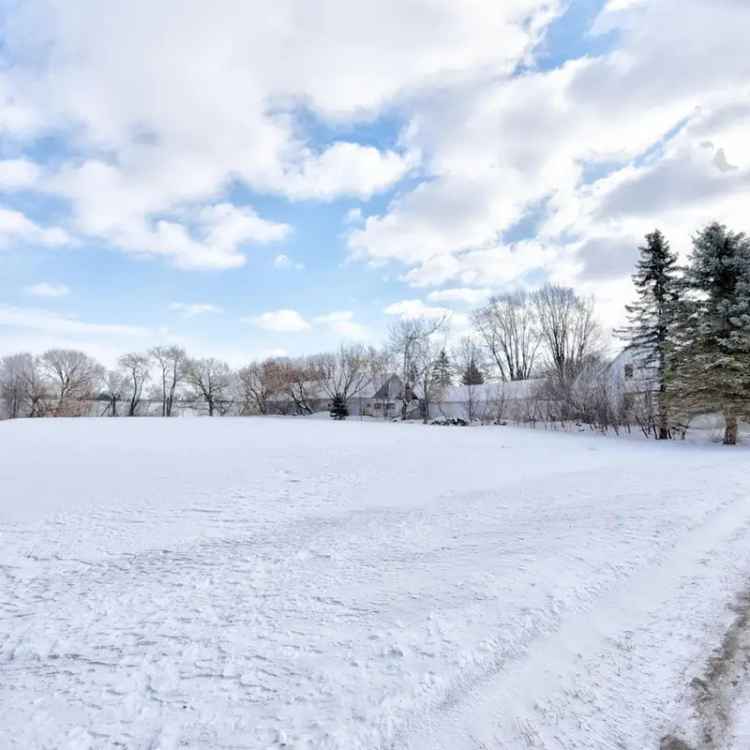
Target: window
(628, 372)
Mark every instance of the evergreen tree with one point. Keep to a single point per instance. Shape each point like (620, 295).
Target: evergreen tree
(651, 320)
(339, 409)
(441, 371)
(712, 365)
(472, 374)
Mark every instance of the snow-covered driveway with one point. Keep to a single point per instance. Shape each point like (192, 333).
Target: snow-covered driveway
(265, 583)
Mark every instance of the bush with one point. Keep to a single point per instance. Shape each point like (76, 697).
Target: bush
(450, 422)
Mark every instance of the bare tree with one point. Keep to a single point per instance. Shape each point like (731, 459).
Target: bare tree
(171, 361)
(345, 374)
(37, 389)
(74, 377)
(115, 386)
(415, 345)
(509, 327)
(211, 379)
(569, 331)
(14, 370)
(598, 397)
(258, 383)
(136, 368)
(302, 378)
(469, 363)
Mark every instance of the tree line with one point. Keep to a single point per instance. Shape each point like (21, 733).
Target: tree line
(688, 331)
(515, 336)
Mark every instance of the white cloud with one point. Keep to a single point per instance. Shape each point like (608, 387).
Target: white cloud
(17, 116)
(16, 227)
(284, 262)
(33, 319)
(134, 211)
(411, 309)
(17, 174)
(415, 309)
(151, 172)
(342, 323)
(617, 5)
(191, 310)
(36, 329)
(353, 216)
(345, 169)
(193, 64)
(504, 149)
(45, 289)
(461, 294)
(281, 321)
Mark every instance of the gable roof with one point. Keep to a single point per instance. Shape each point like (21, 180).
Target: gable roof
(492, 390)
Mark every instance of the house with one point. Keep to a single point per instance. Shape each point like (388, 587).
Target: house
(492, 401)
(387, 400)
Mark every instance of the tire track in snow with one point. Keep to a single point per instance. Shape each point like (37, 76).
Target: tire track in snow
(311, 615)
(576, 663)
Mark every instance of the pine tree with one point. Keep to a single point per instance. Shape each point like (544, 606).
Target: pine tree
(472, 374)
(339, 409)
(441, 371)
(651, 320)
(712, 365)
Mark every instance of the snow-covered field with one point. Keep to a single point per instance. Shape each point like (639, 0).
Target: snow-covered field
(266, 583)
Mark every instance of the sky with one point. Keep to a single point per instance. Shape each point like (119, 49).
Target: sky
(263, 178)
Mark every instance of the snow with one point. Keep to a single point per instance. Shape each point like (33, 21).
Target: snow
(302, 583)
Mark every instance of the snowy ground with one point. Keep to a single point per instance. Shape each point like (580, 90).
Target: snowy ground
(266, 583)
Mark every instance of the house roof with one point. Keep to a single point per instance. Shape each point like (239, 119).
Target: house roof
(491, 390)
(391, 388)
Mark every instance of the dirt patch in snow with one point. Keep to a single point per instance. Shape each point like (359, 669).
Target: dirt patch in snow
(716, 692)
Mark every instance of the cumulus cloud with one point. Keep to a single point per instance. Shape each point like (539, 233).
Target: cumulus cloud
(608, 143)
(415, 309)
(668, 147)
(18, 174)
(345, 169)
(143, 135)
(191, 310)
(16, 227)
(342, 323)
(281, 321)
(134, 212)
(45, 289)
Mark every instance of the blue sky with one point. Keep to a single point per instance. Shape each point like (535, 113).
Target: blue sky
(249, 179)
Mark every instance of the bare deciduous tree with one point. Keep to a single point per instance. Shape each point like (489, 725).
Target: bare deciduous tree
(415, 345)
(569, 331)
(509, 327)
(171, 361)
(258, 383)
(115, 386)
(345, 374)
(74, 377)
(136, 368)
(302, 382)
(37, 389)
(211, 379)
(14, 370)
